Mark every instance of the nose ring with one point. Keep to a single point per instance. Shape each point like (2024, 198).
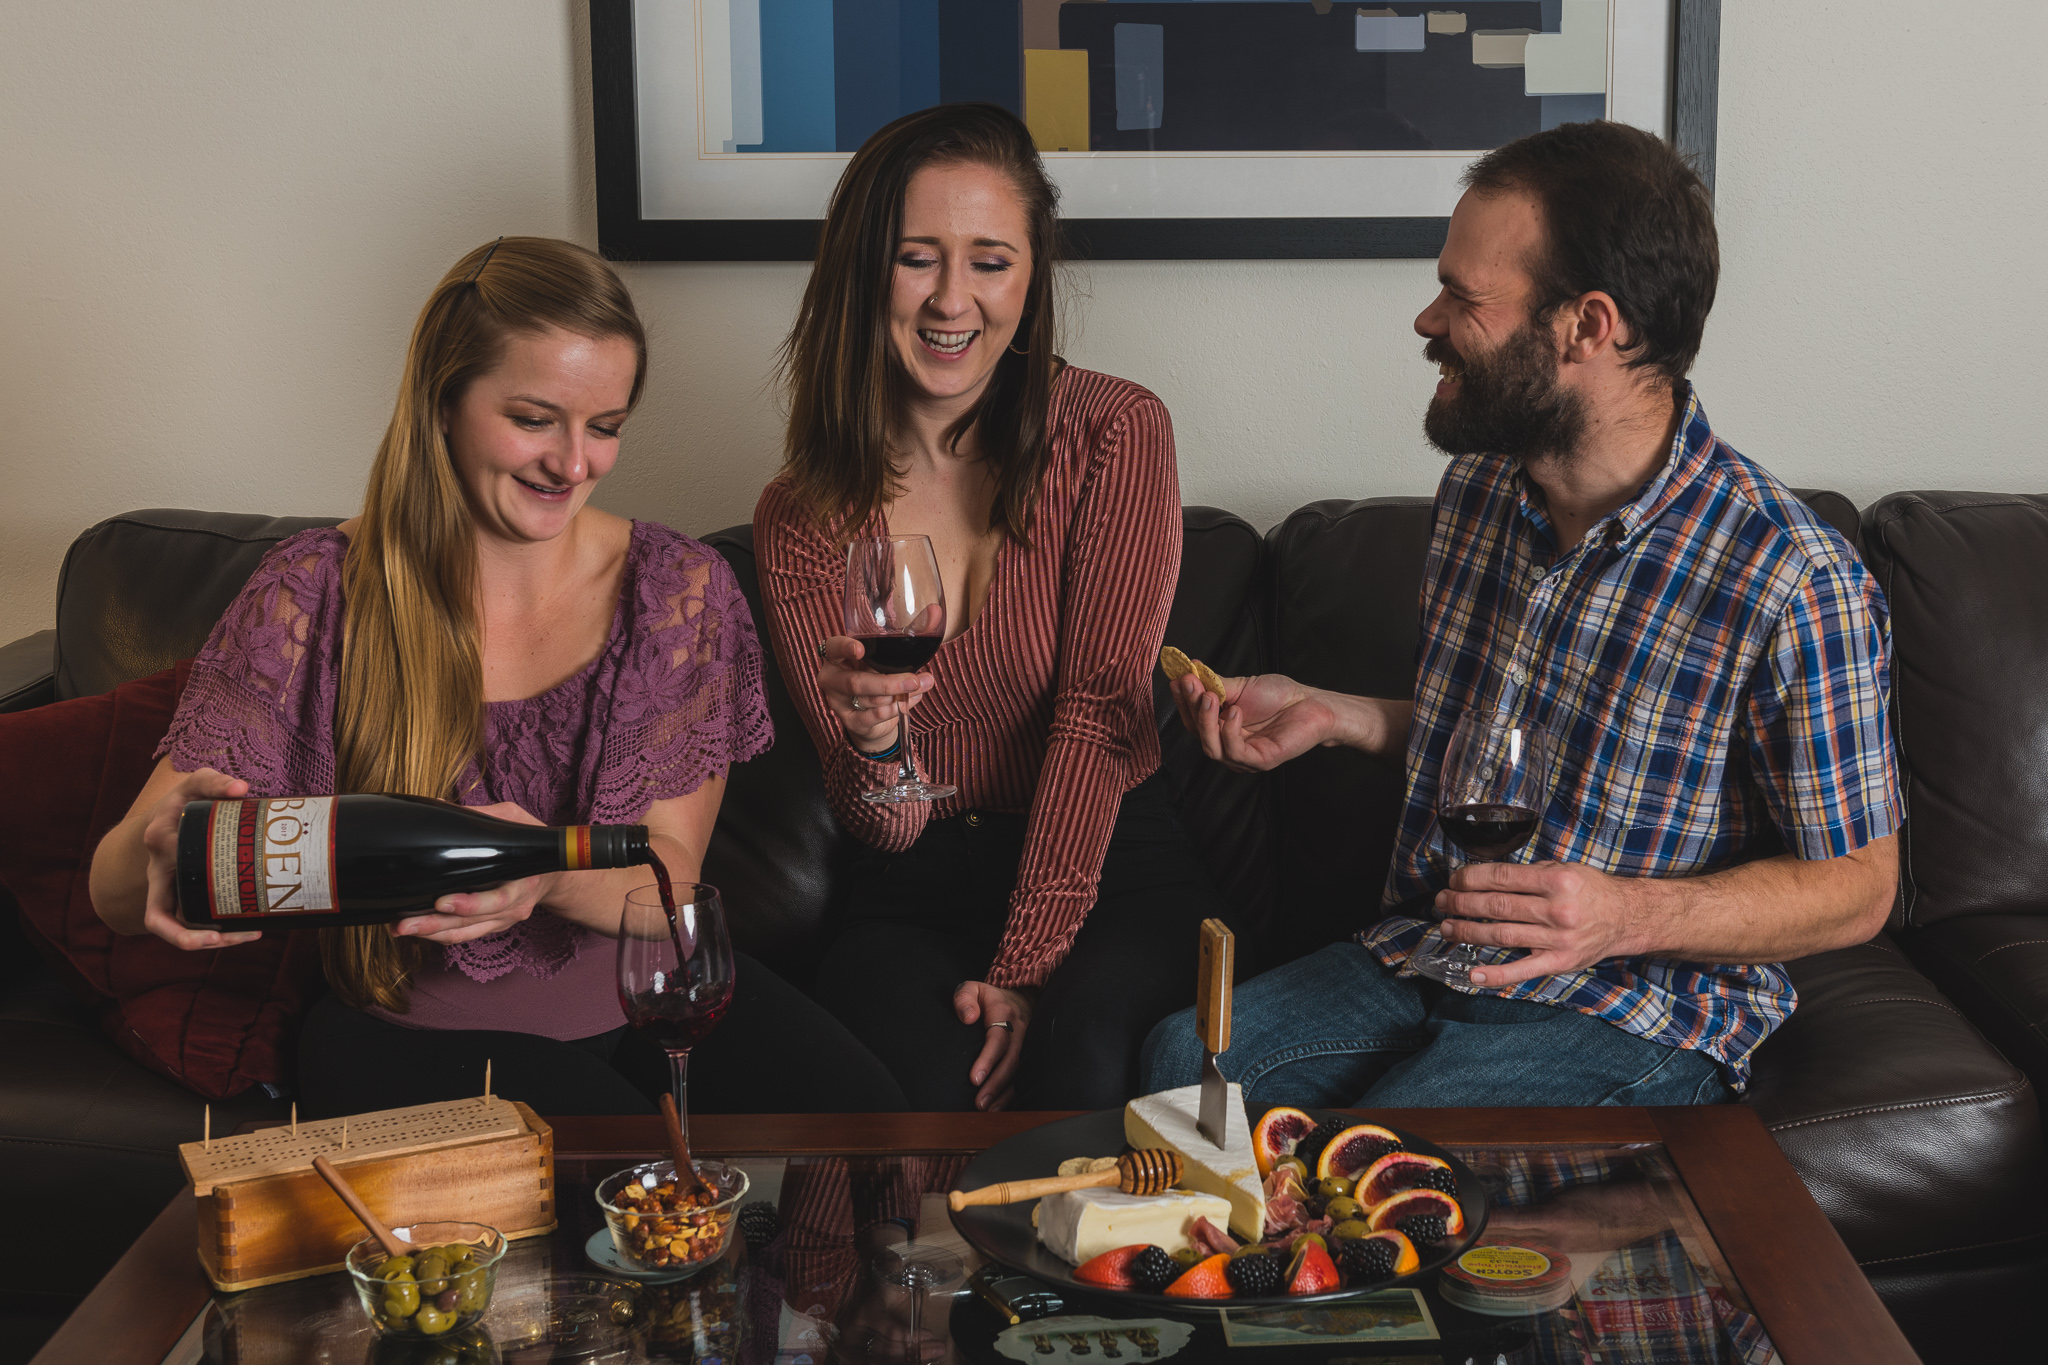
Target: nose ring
(933, 301)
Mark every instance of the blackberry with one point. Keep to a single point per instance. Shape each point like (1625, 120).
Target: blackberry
(1152, 1270)
(1437, 1178)
(1255, 1275)
(1423, 1227)
(1311, 1146)
(1367, 1260)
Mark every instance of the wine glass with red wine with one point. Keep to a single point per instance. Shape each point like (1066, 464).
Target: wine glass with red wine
(675, 973)
(1491, 792)
(896, 607)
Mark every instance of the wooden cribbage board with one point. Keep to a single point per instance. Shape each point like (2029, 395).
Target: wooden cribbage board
(265, 1215)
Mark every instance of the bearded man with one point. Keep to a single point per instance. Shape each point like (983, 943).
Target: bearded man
(1709, 657)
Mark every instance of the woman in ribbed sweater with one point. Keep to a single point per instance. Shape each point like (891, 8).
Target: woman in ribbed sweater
(1018, 939)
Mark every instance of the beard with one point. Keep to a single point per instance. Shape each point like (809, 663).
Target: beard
(1508, 402)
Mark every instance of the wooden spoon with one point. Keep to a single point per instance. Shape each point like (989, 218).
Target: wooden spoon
(386, 1238)
(686, 1169)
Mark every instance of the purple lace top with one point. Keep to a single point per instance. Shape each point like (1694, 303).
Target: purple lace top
(674, 698)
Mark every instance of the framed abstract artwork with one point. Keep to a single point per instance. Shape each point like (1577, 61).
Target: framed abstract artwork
(1175, 129)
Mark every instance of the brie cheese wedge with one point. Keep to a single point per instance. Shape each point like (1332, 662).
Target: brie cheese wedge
(1079, 1225)
(1167, 1119)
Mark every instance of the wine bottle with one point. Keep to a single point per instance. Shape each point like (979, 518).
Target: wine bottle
(308, 861)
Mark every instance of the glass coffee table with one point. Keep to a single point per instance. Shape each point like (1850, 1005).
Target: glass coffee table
(1677, 1235)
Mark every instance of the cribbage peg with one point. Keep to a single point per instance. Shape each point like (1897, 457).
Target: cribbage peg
(206, 1130)
(295, 1120)
(487, 1083)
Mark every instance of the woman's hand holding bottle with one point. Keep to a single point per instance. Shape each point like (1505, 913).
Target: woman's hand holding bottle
(160, 846)
(476, 914)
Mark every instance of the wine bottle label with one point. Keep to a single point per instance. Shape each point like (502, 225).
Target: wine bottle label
(272, 857)
(576, 847)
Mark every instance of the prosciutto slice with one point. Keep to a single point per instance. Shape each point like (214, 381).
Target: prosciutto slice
(1210, 1239)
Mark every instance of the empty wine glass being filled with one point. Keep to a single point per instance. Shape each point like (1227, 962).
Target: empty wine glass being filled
(1491, 791)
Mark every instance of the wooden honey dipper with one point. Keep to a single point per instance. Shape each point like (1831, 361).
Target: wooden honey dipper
(1149, 1171)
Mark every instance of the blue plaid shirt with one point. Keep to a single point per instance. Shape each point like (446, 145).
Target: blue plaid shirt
(1714, 662)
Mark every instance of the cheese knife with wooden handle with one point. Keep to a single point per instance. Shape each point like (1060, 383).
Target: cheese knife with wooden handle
(1212, 1022)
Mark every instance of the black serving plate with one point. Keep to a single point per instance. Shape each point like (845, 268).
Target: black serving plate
(1003, 1232)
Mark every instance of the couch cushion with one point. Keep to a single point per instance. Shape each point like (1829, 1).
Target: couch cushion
(776, 853)
(1914, 1135)
(84, 1129)
(1967, 578)
(1342, 581)
(1214, 619)
(216, 1022)
(142, 590)
(1996, 968)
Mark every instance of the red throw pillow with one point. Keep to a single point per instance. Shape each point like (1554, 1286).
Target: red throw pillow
(216, 1022)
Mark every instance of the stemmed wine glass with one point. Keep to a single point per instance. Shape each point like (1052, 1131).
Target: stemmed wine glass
(1491, 793)
(675, 974)
(896, 607)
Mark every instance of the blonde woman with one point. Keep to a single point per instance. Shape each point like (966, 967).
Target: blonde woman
(480, 633)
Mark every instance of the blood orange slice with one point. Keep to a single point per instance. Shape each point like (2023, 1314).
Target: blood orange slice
(1355, 1149)
(1276, 1135)
(1394, 1172)
(1393, 1210)
(1203, 1280)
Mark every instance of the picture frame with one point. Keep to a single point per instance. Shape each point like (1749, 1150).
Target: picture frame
(668, 191)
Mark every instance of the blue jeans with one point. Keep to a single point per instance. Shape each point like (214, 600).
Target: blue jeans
(1338, 1029)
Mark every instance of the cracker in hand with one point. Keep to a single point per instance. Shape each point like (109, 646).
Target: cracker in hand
(1177, 665)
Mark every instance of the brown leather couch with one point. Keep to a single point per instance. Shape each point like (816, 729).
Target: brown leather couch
(1920, 1140)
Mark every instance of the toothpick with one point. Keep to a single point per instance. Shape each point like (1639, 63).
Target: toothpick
(206, 1133)
(295, 1120)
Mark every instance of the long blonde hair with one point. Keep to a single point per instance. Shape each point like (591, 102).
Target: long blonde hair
(409, 714)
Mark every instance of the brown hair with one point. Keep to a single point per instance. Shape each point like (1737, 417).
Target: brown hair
(1622, 213)
(409, 714)
(843, 376)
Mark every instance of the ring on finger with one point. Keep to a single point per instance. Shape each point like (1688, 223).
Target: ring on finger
(1002, 1024)
(857, 706)
(821, 649)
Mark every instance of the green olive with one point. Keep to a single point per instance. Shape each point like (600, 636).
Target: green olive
(394, 1266)
(1187, 1255)
(432, 1273)
(1343, 1208)
(1349, 1229)
(471, 1292)
(1249, 1249)
(401, 1296)
(1335, 1186)
(1308, 1237)
(1295, 1164)
(432, 1321)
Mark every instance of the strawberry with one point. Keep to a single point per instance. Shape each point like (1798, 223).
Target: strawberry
(1112, 1269)
(1203, 1280)
(1313, 1272)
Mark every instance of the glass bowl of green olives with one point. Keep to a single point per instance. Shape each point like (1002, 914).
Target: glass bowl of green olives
(442, 1287)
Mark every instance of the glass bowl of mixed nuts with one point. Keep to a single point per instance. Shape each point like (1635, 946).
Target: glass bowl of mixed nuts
(657, 1225)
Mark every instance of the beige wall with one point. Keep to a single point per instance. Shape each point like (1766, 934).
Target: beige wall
(219, 220)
